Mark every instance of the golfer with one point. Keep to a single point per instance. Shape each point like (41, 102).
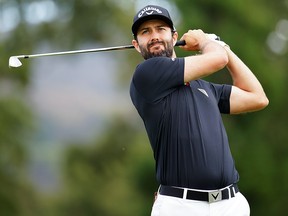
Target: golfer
(182, 116)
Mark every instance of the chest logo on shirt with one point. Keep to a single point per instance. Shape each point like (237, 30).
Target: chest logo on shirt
(203, 91)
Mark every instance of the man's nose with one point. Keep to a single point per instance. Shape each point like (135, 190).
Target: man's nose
(154, 36)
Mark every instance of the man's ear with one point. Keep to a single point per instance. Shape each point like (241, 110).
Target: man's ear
(136, 45)
(175, 37)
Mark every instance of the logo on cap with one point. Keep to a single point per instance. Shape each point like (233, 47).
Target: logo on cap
(151, 9)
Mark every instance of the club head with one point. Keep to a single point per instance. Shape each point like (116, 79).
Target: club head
(14, 62)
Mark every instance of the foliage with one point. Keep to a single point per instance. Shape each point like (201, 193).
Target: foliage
(103, 178)
(114, 175)
(15, 128)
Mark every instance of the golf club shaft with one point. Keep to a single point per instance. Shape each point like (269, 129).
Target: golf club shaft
(78, 51)
(15, 62)
(178, 43)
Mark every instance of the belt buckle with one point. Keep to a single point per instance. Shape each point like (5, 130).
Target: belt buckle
(214, 196)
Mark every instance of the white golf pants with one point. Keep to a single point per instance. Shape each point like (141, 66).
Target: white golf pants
(171, 206)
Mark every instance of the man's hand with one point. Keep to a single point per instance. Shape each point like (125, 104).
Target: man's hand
(195, 40)
(213, 56)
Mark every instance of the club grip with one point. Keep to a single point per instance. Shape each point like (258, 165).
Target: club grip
(180, 43)
(183, 43)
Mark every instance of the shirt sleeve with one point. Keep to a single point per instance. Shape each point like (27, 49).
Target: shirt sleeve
(157, 77)
(222, 95)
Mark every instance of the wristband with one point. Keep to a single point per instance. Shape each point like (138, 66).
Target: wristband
(215, 38)
(222, 43)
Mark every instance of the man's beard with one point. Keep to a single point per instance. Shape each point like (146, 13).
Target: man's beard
(167, 52)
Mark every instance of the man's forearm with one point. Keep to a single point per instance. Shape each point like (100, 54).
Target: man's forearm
(241, 75)
(247, 92)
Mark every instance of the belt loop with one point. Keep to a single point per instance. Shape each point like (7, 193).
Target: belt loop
(185, 193)
(232, 192)
(159, 189)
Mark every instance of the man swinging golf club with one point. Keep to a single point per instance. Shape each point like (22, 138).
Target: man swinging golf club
(182, 116)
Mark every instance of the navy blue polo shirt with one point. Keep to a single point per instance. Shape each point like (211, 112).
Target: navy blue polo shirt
(184, 125)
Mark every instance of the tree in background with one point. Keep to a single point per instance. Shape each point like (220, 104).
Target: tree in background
(114, 175)
(17, 197)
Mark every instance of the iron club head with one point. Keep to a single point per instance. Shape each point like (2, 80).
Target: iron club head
(14, 61)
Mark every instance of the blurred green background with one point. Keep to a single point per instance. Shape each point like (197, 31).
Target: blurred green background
(71, 142)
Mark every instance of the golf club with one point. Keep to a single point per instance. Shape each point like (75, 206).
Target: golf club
(15, 62)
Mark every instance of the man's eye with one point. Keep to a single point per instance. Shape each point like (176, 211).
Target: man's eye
(145, 31)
